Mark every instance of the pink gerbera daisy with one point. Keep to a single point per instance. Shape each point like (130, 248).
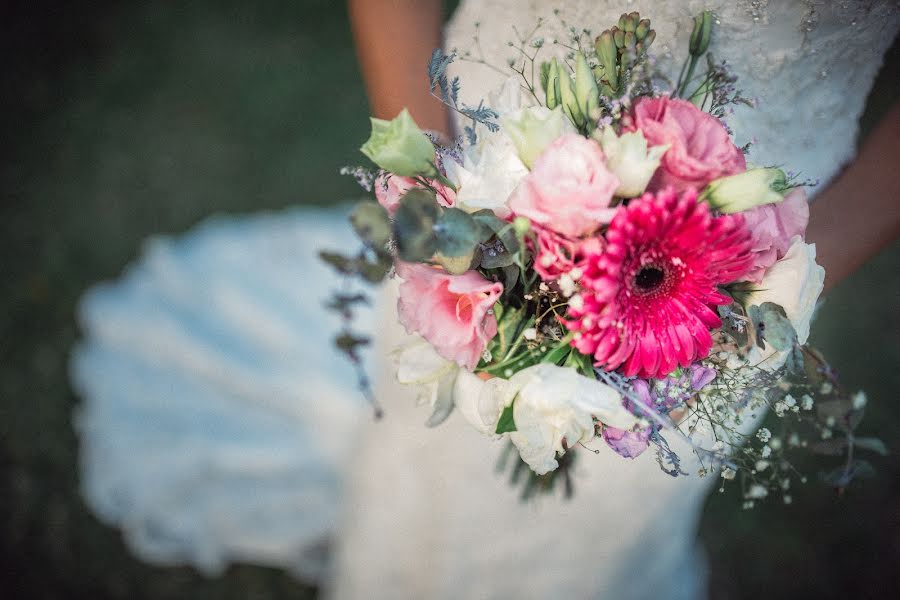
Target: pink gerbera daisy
(645, 305)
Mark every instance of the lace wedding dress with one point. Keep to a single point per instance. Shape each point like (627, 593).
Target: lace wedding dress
(217, 425)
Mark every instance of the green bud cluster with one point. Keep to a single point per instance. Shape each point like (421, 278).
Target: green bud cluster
(619, 46)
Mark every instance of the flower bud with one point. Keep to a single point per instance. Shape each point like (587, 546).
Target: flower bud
(647, 41)
(621, 23)
(631, 22)
(552, 89)
(701, 33)
(642, 29)
(521, 225)
(618, 37)
(608, 56)
(585, 86)
(399, 146)
(570, 99)
(745, 190)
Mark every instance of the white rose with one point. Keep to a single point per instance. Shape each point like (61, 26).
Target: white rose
(553, 404)
(794, 283)
(533, 129)
(628, 157)
(490, 172)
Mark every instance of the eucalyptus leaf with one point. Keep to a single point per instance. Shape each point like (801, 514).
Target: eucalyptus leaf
(871, 443)
(374, 271)
(773, 326)
(342, 264)
(506, 423)
(414, 223)
(510, 277)
(455, 265)
(456, 233)
(499, 227)
(495, 256)
(371, 223)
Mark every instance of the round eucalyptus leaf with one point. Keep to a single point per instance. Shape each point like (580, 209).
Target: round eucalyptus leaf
(371, 223)
(455, 265)
(414, 224)
(457, 233)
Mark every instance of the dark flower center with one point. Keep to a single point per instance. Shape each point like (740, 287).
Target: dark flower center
(649, 278)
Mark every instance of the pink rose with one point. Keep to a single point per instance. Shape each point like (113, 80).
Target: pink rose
(700, 149)
(449, 311)
(390, 188)
(772, 226)
(557, 254)
(569, 189)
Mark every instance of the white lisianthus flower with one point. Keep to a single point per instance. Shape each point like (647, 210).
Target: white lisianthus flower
(419, 364)
(629, 158)
(480, 402)
(533, 129)
(555, 404)
(794, 283)
(490, 171)
(443, 385)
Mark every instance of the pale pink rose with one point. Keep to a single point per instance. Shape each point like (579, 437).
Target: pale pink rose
(390, 188)
(700, 149)
(557, 254)
(772, 226)
(569, 189)
(449, 311)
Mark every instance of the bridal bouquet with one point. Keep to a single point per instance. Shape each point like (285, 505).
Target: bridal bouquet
(594, 264)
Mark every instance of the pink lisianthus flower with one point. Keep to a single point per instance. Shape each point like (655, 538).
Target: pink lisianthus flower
(772, 227)
(569, 190)
(452, 312)
(389, 188)
(646, 300)
(700, 149)
(629, 444)
(556, 254)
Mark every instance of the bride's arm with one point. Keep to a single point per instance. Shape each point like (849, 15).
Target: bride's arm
(394, 39)
(859, 213)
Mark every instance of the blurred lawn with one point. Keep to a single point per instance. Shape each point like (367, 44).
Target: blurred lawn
(121, 120)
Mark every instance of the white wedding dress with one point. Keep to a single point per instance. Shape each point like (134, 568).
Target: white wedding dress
(218, 425)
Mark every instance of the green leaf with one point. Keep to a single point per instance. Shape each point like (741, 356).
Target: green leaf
(506, 424)
(414, 225)
(371, 223)
(871, 443)
(456, 233)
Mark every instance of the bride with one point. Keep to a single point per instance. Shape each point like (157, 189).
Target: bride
(217, 425)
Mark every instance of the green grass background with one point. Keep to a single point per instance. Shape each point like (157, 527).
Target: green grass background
(121, 120)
